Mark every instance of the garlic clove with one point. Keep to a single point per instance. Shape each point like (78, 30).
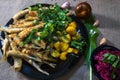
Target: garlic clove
(65, 5)
(103, 41)
(96, 23)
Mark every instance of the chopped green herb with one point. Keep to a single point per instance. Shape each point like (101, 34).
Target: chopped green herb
(78, 44)
(35, 22)
(115, 63)
(38, 38)
(106, 55)
(30, 37)
(55, 19)
(113, 60)
(35, 8)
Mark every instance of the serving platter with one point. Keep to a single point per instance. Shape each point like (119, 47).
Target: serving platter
(62, 67)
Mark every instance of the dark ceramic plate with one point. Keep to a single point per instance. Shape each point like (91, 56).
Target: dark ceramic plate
(61, 67)
(93, 61)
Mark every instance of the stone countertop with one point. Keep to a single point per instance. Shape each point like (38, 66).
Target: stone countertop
(106, 11)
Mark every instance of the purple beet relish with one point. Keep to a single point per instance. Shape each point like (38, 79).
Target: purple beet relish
(105, 69)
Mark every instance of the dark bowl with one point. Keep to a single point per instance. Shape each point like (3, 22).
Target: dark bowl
(93, 61)
(62, 67)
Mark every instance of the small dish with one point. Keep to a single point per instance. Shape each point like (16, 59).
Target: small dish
(101, 67)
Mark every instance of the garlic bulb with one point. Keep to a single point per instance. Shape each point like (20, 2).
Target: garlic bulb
(65, 5)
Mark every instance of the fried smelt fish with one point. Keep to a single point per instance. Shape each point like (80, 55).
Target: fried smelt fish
(23, 34)
(40, 25)
(31, 46)
(50, 64)
(11, 30)
(12, 35)
(4, 48)
(21, 55)
(17, 40)
(41, 43)
(20, 21)
(35, 65)
(13, 45)
(33, 13)
(41, 55)
(31, 18)
(20, 14)
(17, 63)
(22, 25)
(32, 53)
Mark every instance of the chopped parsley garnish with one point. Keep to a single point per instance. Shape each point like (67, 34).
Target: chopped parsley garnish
(55, 19)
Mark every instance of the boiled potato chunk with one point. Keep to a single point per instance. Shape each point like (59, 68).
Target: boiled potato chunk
(73, 24)
(57, 46)
(72, 50)
(71, 30)
(55, 54)
(63, 56)
(64, 46)
(66, 38)
(75, 51)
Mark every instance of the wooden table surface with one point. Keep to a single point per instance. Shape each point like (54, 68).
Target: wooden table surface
(106, 11)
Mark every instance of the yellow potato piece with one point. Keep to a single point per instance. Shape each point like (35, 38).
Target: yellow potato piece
(66, 38)
(64, 46)
(57, 46)
(55, 54)
(75, 51)
(72, 50)
(73, 24)
(63, 56)
(71, 30)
